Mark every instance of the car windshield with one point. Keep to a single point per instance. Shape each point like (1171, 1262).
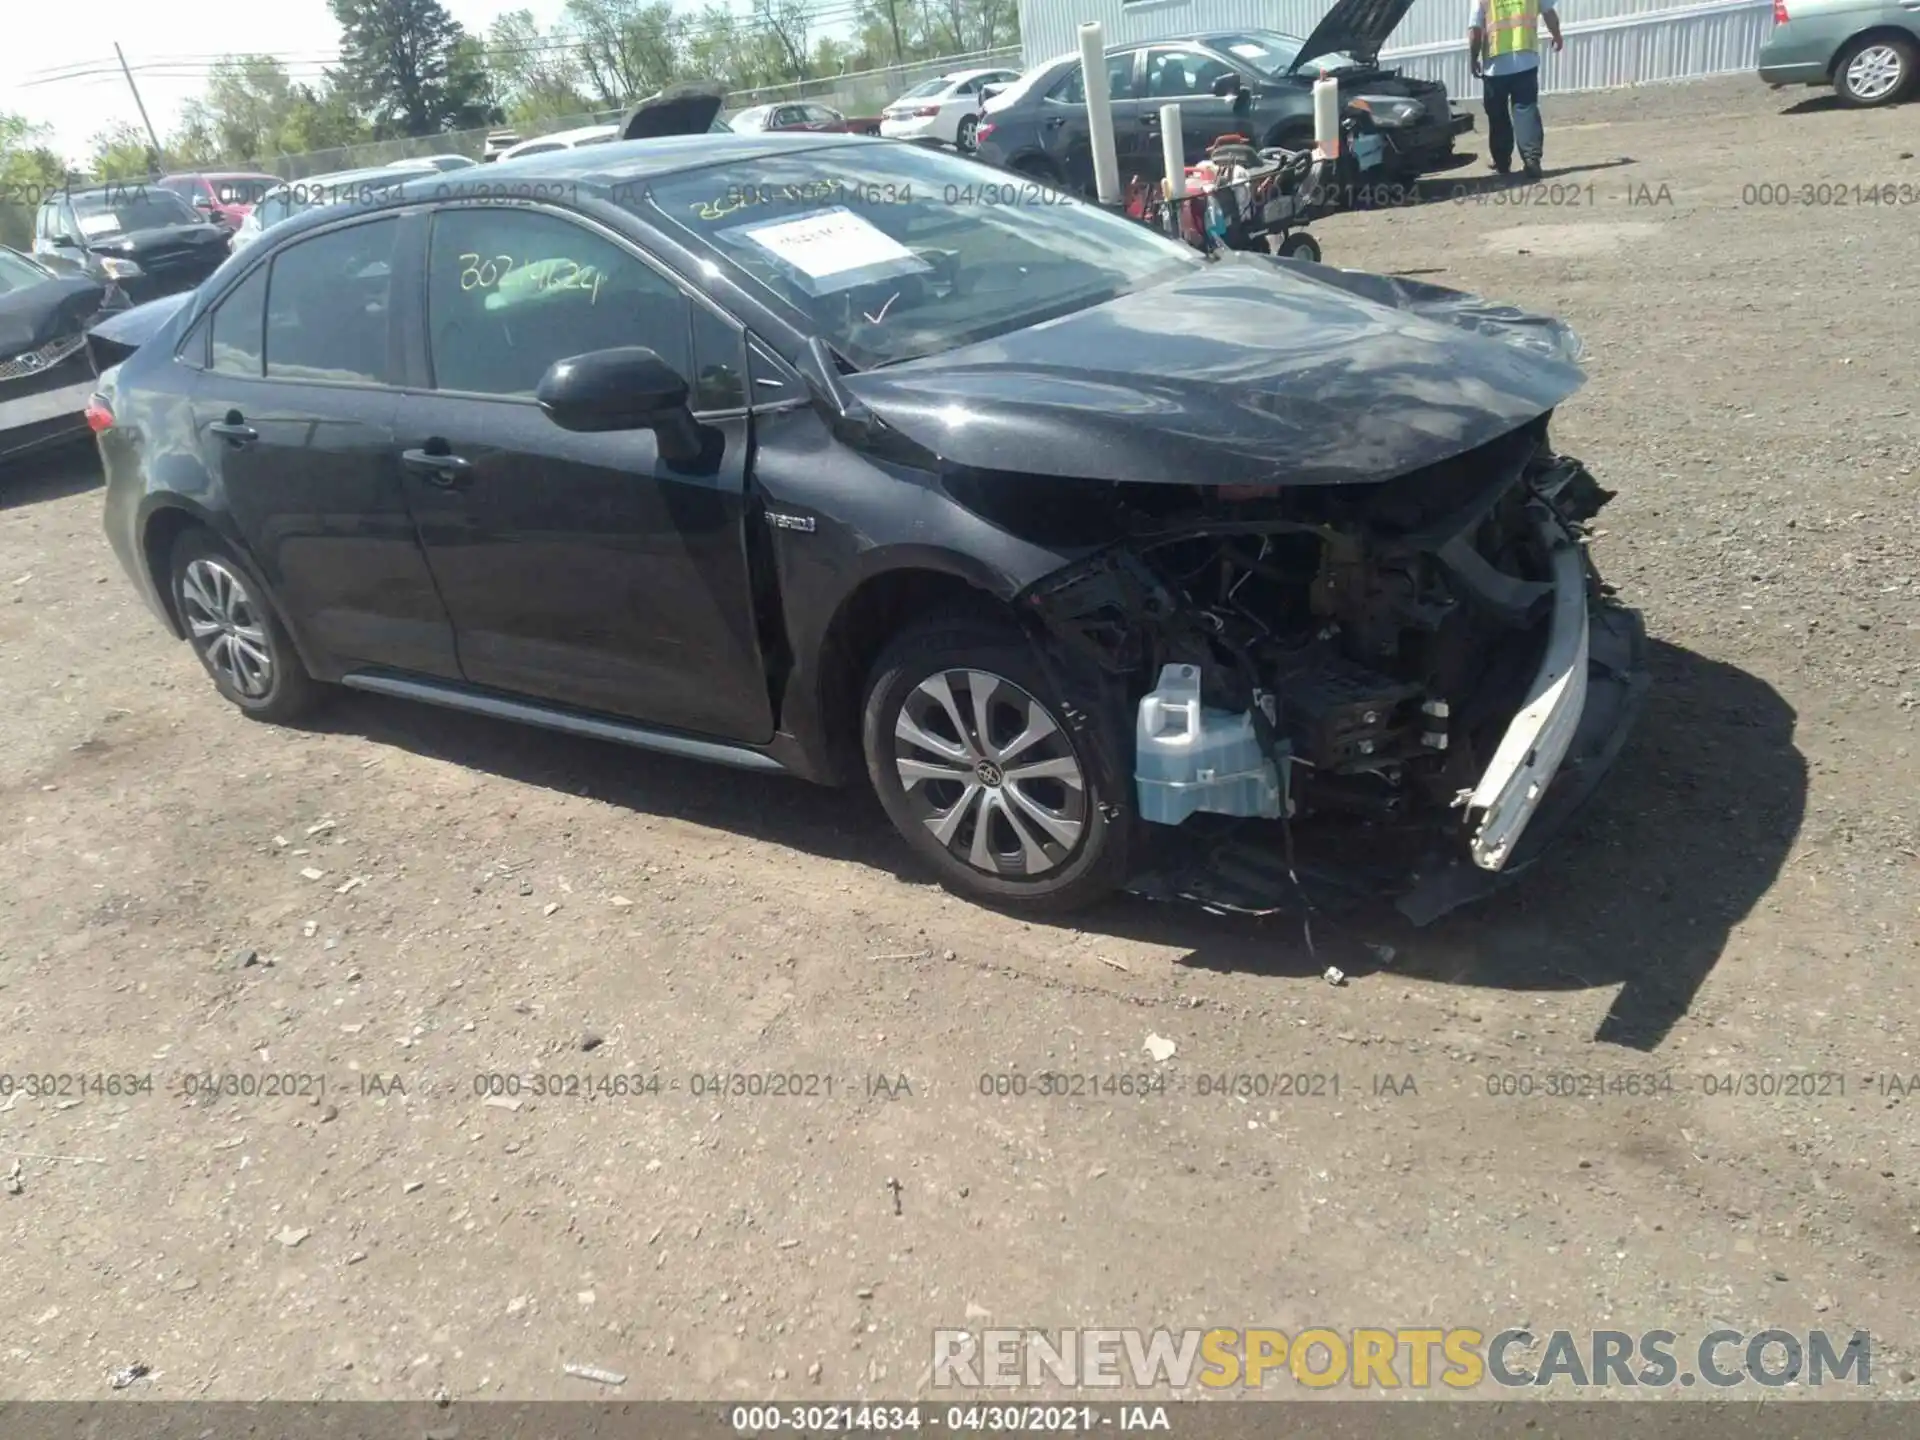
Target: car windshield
(1266, 51)
(121, 209)
(926, 89)
(19, 273)
(894, 252)
(241, 191)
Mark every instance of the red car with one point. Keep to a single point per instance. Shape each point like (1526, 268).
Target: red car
(802, 115)
(226, 197)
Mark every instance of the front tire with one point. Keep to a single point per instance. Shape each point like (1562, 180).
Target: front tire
(970, 751)
(1300, 246)
(1873, 71)
(236, 635)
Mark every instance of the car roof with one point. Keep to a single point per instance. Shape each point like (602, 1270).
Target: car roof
(577, 133)
(623, 161)
(367, 172)
(597, 167)
(219, 175)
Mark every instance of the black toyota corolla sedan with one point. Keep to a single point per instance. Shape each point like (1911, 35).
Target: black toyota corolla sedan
(1107, 564)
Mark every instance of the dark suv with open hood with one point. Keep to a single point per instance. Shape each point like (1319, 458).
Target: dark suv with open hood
(1257, 84)
(150, 242)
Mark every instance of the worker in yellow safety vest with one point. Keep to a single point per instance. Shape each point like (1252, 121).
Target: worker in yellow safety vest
(1503, 48)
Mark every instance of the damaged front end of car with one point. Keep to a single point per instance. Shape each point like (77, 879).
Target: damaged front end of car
(1422, 677)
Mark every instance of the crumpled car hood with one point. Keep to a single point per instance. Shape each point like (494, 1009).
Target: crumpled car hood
(37, 314)
(1250, 371)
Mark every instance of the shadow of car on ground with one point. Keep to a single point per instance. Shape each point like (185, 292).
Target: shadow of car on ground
(1684, 837)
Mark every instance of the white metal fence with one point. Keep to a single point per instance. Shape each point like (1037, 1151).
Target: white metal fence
(1610, 43)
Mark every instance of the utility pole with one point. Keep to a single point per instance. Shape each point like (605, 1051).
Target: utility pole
(158, 156)
(893, 23)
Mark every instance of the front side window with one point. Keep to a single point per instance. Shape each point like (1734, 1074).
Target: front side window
(893, 252)
(1173, 73)
(239, 327)
(328, 304)
(1071, 88)
(510, 291)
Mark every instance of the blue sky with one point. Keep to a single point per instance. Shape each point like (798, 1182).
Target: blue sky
(171, 44)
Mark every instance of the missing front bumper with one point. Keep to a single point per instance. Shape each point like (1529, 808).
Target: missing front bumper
(1242, 868)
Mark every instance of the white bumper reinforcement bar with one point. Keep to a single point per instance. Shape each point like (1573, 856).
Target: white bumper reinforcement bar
(1536, 742)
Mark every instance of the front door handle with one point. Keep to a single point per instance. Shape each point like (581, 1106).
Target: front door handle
(450, 472)
(235, 430)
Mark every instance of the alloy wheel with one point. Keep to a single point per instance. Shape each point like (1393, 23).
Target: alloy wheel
(990, 773)
(1874, 72)
(227, 626)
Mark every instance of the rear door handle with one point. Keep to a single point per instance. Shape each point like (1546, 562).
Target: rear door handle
(450, 472)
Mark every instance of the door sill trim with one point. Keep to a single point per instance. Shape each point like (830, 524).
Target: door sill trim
(549, 717)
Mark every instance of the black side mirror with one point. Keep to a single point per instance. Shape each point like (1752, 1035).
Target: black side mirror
(629, 388)
(1226, 86)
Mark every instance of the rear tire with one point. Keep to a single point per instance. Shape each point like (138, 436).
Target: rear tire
(234, 631)
(1874, 70)
(976, 763)
(969, 132)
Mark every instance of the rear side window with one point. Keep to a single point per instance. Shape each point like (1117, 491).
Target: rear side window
(239, 327)
(328, 303)
(511, 291)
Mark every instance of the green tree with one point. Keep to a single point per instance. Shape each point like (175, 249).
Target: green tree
(323, 118)
(399, 62)
(121, 152)
(536, 75)
(28, 170)
(626, 48)
(246, 105)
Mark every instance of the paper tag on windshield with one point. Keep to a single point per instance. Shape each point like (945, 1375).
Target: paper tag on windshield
(99, 224)
(834, 249)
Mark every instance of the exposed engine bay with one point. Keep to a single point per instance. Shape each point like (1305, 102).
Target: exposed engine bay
(1341, 654)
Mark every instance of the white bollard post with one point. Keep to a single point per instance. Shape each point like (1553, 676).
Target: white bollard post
(1106, 159)
(1173, 151)
(1326, 118)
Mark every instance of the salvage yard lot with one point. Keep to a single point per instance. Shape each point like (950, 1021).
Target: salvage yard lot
(398, 904)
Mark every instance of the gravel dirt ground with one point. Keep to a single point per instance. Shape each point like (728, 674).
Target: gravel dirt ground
(397, 903)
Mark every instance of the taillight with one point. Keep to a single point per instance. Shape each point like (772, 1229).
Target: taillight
(982, 130)
(926, 112)
(1779, 12)
(99, 413)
